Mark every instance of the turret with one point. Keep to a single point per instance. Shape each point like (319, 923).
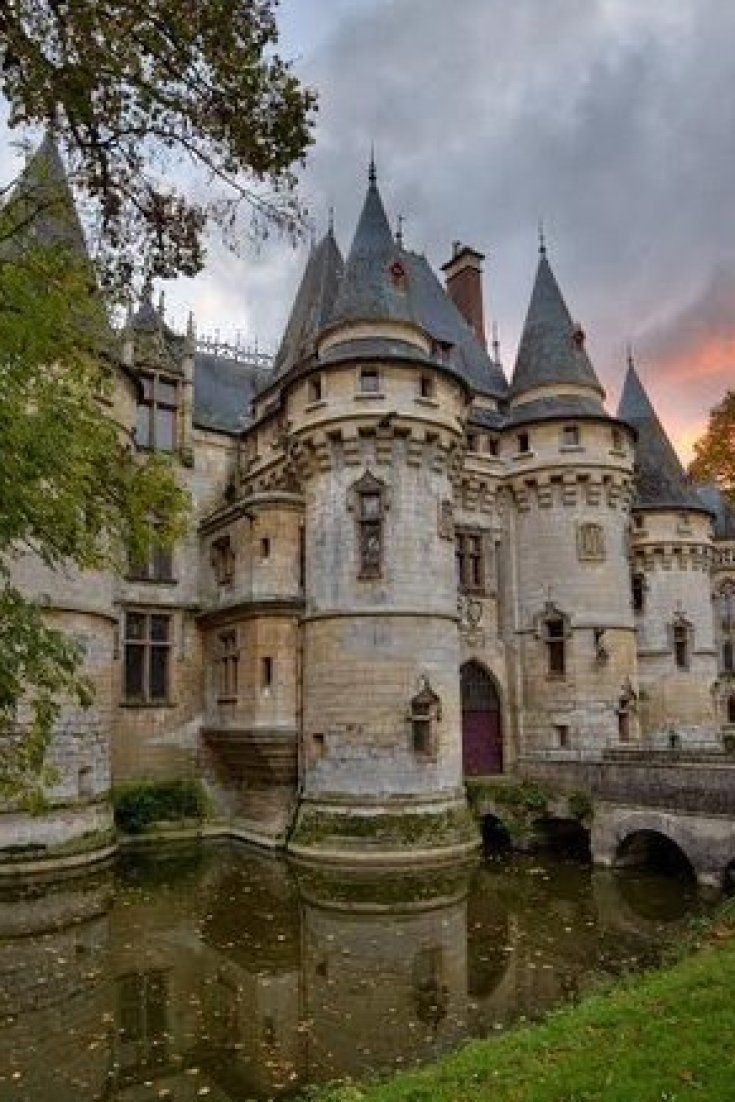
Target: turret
(569, 480)
(671, 561)
(376, 426)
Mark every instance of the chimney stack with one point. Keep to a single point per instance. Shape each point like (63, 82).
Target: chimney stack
(463, 275)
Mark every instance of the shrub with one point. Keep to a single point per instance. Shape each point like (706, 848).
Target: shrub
(580, 805)
(139, 804)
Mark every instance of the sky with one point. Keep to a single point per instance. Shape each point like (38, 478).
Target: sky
(611, 120)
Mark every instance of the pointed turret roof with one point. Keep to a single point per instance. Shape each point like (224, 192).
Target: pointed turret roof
(551, 351)
(44, 190)
(371, 287)
(313, 303)
(661, 482)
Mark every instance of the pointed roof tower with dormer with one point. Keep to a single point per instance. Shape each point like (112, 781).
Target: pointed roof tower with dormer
(313, 304)
(552, 363)
(661, 482)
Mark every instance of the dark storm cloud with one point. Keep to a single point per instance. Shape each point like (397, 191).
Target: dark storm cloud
(614, 120)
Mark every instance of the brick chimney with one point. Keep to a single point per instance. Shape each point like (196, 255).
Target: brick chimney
(463, 274)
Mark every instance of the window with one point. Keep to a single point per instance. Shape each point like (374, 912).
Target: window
(229, 661)
(637, 521)
(570, 436)
(369, 380)
(473, 442)
(427, 388)
(556, 646)
(266, 673)
(265, 547)
(156, 416)
(727, 656)
(315, 388)
(158, 564)
(617, 440)
(731, 709)
(85, 782)
(681, 646)
(492, 445)
(638, 586)
(147, 657)
(524, 444)
(562, 736)
(302, 558)
(424, 714)
(470, 561)
(623, 723)
(223, 561)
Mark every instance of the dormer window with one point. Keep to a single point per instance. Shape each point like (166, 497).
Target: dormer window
(492, 445)
(155, 426)
(427, 386)
(369, 380)
(524, 444)
(617, 440)
(316, 388)
(571, 436)
(473, 442)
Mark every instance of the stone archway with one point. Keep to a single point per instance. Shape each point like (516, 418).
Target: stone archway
(482, 727)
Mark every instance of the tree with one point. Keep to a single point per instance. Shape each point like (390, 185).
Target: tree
(138, 89)
(714, 454)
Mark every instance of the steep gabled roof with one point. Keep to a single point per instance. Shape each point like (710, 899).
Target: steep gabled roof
(660, 479)
(371, 287)
(43, 192)
(722, 511)
(551, 351)
(224, 388)
(313, 303)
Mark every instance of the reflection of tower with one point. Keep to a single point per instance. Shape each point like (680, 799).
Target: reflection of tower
(384, 971)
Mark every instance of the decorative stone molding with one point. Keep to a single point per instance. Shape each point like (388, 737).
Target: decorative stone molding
(590, 542)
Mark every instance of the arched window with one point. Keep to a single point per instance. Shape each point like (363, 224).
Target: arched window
(368, 500)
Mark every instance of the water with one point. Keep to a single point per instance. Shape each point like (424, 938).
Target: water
(221, 974)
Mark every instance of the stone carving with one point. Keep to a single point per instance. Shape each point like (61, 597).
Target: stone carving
(591, 542)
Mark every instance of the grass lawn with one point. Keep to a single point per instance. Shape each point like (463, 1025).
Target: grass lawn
(662, 1037)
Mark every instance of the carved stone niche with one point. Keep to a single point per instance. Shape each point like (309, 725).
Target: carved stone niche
(424, 715)
(590, 542)
(446, 519)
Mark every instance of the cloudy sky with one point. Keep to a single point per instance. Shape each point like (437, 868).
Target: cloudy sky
(613, 120)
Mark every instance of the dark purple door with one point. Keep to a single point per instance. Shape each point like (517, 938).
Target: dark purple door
(482, 736)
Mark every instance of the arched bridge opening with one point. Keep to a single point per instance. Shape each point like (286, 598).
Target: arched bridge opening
(655, 852)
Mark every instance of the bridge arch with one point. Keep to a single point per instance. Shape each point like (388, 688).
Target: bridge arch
(654, 849)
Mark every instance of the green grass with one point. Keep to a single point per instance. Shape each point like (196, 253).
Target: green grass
(666, 1036)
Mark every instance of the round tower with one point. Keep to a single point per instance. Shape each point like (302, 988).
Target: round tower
(568, 490)
(671, 565)
(376, 420)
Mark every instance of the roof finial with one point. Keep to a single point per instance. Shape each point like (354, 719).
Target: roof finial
(496, 343)
(372, 171)
(541, 238)
(399, 231)
(629, 355)
(330, 219)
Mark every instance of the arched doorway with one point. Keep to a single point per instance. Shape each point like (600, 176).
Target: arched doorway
(482, 732)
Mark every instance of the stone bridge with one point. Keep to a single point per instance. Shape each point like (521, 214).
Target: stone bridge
(643, 796)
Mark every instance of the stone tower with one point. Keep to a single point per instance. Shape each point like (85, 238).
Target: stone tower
(377, 424)
(569, 468)
(671, 555)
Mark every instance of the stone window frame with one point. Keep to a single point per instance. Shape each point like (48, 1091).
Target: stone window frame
(524, 443)
(150, 642)
(556, 644)
(425, 713)
(369, 524)
(471, 565)
(315, 389)
(591, 542)
(158, 565)
(228, 665)
(154, 400)
(638, 591)
(365, 373)
(223, 559)
(571, 436)
(681, 641)
(427, 386)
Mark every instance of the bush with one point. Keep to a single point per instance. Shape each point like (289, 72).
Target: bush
(580, 805)
(139, 804)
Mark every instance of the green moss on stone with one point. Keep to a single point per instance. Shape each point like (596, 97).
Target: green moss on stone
(410, 830)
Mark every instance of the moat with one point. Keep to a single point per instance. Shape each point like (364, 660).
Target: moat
(219, 973)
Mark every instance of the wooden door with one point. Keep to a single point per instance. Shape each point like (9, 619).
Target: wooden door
(482, 735)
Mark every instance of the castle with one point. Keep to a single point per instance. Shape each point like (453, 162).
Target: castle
(401, 571)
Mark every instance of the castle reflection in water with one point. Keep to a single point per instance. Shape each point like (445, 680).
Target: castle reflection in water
(242, 974)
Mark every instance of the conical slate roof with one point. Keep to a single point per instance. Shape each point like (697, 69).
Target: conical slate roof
(313, 303)
(43, 189)
(551, 351)
(660, 479)
(372, 287)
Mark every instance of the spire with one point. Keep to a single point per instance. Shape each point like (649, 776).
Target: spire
(372, 171)
(45, 196)
(399, 231)
(313, 303)
(496, 344)
(660, 479)
(551, 352)
(541, 238)
(375, 285)
(146, 316)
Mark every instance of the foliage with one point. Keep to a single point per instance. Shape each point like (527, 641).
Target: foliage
(714, 454)
(651, 1038)
(580, 805)
(72, 491)
(139, 804)
(138, 92)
